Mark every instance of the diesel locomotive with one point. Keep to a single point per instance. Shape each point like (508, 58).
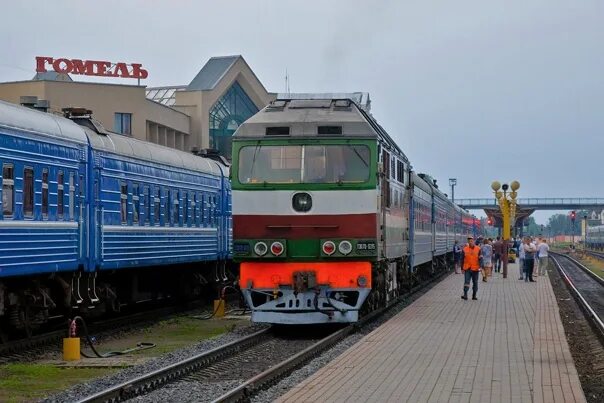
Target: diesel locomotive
(329, 218)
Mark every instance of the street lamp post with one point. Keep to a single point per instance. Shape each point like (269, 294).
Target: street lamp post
(452, 183)
(507, 205)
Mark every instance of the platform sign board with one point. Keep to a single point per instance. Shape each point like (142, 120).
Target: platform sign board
(97, 68)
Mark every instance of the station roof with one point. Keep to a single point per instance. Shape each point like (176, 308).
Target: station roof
(212, 72)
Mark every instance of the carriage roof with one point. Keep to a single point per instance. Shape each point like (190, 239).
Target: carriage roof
(44, 124)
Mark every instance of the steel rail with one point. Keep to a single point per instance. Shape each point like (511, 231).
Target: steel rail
(150, 381)
(597, 321)
(586, 270)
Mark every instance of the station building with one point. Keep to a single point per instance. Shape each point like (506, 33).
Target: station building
(203, 114)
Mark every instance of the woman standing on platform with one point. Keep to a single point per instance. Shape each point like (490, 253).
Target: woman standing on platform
(487, 259)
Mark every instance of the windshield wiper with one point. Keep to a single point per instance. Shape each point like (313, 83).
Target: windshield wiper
(360, 157)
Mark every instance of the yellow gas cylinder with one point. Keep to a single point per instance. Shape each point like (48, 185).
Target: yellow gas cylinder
(219, 308)
(71, 349)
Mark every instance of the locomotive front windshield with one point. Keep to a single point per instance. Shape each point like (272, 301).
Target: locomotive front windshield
(335, 164)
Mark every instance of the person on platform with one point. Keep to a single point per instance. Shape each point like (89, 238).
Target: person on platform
(521, 260)
(529, 259)
(486, 250)
(471, 268)
(457, 257)
(543, 249)
(497, 254)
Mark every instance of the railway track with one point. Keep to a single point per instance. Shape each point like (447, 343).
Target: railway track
(586, 287)
(262, 359)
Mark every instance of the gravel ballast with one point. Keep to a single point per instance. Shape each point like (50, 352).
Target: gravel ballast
(85, 389)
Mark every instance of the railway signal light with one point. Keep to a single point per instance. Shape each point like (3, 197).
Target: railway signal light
(573, 215)
(489, 221)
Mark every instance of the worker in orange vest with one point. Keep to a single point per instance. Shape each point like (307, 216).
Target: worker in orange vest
(471, 268)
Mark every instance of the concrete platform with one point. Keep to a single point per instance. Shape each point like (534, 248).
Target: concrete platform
(509, 346)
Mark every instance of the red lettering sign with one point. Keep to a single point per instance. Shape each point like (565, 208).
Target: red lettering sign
(91, 67)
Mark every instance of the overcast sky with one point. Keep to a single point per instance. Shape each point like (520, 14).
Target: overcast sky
(477, 90)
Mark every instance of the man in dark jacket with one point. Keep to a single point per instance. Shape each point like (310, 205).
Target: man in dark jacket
(497, 254)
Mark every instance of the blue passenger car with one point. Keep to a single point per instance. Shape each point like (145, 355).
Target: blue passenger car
(78, 202)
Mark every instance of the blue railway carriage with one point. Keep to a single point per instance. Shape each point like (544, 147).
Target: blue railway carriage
(93, 219)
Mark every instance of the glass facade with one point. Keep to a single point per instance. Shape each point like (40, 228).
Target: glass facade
(232, 109)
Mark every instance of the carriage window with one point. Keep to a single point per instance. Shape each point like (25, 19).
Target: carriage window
(71, 196)
(8, 189)
(185, 213)
(194, 206)
(45, 193)
(28, 192)
(124, 202)
(157, 207)
(135, 204)
(202, 210)
(167, 206)
(147, 196)
(176, 208)
(60, 194)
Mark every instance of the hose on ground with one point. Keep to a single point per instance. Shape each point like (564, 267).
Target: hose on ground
(72, 333)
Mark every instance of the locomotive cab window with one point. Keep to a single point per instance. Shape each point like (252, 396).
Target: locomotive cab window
(8, 190)
(329, 164)
(28, 192)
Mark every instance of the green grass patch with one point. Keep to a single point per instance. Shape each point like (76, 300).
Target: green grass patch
(30, 382)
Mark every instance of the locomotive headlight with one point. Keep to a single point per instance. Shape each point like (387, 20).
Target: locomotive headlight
(260, 248)
(362, 281)
(302, 202)
(277, 248)
(329, 248)
(345, 247)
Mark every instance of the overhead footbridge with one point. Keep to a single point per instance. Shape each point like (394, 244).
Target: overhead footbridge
(526, 206)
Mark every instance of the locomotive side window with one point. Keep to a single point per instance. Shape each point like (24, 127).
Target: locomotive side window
(136, 205)
(60, 194)
(8, 190)
(45, 193)
(28, 192)
(124, 202)
(71, 196)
